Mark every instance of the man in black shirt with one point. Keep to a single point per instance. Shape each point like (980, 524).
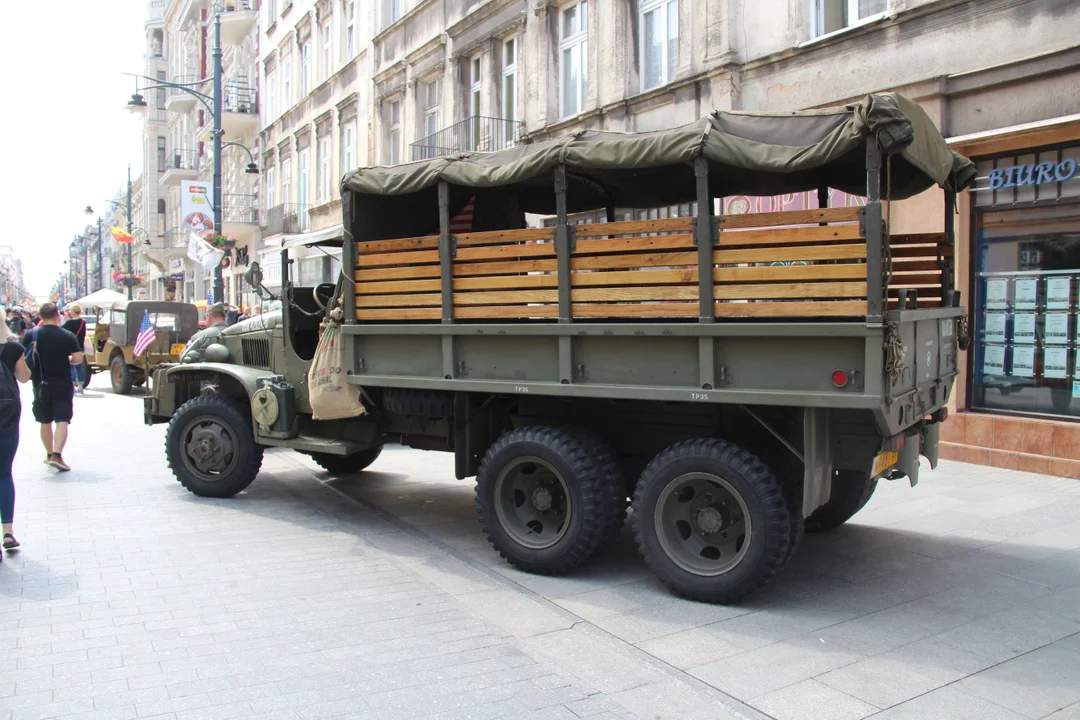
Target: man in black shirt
(54, 351)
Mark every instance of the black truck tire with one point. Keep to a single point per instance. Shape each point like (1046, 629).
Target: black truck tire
(121, 374)
(711, 520)
(406, 401)
(851, 491)
(346, 464)
(211, 448)
(607, 462)
(544, 500)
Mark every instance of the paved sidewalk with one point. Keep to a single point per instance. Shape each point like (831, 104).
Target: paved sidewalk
(131, 598)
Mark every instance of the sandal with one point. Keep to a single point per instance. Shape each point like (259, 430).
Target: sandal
(10, 543)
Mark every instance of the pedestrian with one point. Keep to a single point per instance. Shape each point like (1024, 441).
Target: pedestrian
(12, 368)
(231, 314)
(77, 327)
(52, 350)
(256, 310)
(15, 322)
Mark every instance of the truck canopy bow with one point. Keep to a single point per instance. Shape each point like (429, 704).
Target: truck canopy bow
(748, 154)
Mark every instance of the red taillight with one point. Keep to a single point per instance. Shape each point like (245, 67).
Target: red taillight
(900, 442)
(839, 378)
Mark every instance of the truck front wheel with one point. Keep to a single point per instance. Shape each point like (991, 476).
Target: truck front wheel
(711, 520)
(546, 500)
(850, 492)
(347, 464)
(121, 374)
(211, 448)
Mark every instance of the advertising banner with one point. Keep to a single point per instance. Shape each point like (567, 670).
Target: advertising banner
(196, 205)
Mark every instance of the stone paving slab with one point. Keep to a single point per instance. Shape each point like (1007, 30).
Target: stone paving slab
(378, 597)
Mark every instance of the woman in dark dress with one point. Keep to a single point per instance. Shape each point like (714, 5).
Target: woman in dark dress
(77, 327)
(11, 354)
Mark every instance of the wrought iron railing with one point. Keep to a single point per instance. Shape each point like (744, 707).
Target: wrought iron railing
(473, 134)
(234, 5)
(182, 160)
(175, 237)
(159, 116)
(185, 80)
(238, 97)
(289, 218)
(238, 208)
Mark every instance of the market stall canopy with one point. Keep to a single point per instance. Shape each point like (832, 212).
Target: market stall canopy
(748, 154)
(103, 299)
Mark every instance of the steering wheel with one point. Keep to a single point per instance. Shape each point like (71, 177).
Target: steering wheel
(327, 290)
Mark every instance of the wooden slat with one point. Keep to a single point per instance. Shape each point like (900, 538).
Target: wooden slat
(635, 227)
(396, 314)
(400, 258)
(922, 252)
(906, 279)
(501, 252)
(496, 237)
(511, 297)
(910, 265)
(924, 302)
(400, 273)
(934, 238)
(506, 312)
(790, 290)
(790, 217)
(822, 252)
(504, 268)
(611, 262)
(383, 246)
(634, 244)
(790, 236)
(788, 273)
(838, 308)
(408, 300)
(398, 286)
(687, 309)
(634, 277)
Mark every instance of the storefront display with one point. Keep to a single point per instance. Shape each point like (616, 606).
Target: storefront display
(1026, 284)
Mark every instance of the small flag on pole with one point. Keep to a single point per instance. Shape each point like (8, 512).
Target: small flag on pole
(146, 335)
(209, 297)
(120, 235)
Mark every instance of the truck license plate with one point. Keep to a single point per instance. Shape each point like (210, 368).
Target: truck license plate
(884, 461)
(176, 348)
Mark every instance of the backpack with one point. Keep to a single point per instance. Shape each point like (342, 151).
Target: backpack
(30, 351)
(10, 402)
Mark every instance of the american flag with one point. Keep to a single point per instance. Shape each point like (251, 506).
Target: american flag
(209, 297)
(463, 221)
(146, 335)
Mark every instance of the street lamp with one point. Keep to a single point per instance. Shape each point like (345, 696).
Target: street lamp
(101, 280)
(213, 104)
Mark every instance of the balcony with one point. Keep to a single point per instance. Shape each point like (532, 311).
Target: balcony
(180, 165)
(240, 112)
(238, 17)
(174, 243)
(290, 219)
(239, 215)
(155, 11)
(157, 116)
(474, 134)
(179, 101)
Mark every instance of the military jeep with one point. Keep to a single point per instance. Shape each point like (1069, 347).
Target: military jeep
(110, 342)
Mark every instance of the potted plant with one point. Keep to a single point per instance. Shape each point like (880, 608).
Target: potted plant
(222, 242)
(127, 279)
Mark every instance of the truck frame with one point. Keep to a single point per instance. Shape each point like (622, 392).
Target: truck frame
(735, 380)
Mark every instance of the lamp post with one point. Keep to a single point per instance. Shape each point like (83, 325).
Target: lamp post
(214, 105)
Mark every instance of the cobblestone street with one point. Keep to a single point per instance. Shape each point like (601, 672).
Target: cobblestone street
(378, 597)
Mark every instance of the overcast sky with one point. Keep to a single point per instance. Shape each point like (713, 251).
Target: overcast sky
(68, 139)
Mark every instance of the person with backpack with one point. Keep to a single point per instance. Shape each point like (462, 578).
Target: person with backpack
(77, 327)
(12, 368)
(50, 351)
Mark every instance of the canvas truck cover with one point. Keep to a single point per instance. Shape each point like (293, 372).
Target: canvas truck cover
(748, 154)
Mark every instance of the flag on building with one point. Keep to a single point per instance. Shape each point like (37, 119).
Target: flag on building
(120, 235)
(146, 335)
(203, 252)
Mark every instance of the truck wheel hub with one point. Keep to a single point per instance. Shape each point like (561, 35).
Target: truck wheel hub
(711, 519)
(541, 499)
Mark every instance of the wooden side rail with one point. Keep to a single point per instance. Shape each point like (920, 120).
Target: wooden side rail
(806, 263)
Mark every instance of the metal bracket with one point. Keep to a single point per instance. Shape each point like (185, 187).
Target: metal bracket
(571, 237)
(862, 221)
(724, 375)
(714, 222)
(451, 245)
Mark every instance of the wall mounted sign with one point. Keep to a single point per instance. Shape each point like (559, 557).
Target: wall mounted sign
(1037, 174)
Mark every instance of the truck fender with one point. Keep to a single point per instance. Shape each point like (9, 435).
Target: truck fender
(245, 376)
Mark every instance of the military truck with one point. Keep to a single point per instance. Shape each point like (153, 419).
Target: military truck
(110, 342)
(733, 380)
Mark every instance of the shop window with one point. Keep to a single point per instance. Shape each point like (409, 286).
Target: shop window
(1027, 268)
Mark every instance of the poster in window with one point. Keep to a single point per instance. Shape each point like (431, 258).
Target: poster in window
(1023, 364)
(1057, 328)
(997, 294)
(995, 327)
(1026, 293)
(1024, 328)
(994, 360)
(1058, 293)
(1055, 362)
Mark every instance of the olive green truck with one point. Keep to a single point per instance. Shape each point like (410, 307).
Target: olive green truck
(578, 323)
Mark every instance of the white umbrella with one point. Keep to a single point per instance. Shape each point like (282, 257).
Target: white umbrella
(104, 299)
